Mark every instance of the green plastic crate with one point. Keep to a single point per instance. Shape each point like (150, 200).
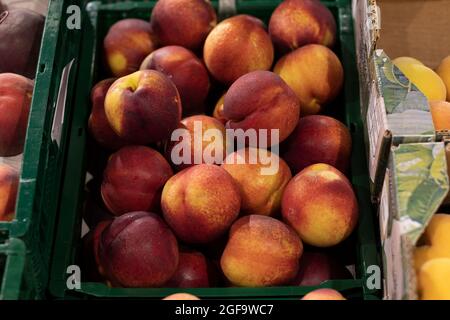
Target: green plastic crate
(19, 282)
(98, 17)
(43, 158)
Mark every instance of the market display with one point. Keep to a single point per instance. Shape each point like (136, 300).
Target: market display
(224, 150)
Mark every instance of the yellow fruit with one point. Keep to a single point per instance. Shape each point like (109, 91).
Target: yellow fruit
(324, 294)
(421, 256)
(405, 61)
(425, 79)
(434, 280)
(437, 239)
(437, 232)
(444, 72)
(181, 296)
(424, 254)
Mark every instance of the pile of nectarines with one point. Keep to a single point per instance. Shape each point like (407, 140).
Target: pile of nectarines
(20, 34)
(217, 217)
(15, 100)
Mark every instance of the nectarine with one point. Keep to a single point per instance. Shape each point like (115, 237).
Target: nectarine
(236, 46)
(319, 203)
(143, 107)
(262, 100)
(133, 180)
(200, 203)
(317, 267)
(324, 294)
(261, 193)
(126, 45)
(181, 296)
(315, 74)
(187, 73)
(98, 124)
(9, 183)
(218, 110)
(21, 32)
(15, 100)
(261, 251)
(194, 271)
(296, 23)
(138, 250)
(205, 142)
(91, 259)
(318, 139)
(183, 22)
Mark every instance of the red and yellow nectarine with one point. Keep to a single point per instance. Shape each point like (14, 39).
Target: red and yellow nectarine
(200, 203)
(319, 203)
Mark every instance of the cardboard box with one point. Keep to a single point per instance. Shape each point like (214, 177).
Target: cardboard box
(407, 157)
(415, 28)
(416, 185)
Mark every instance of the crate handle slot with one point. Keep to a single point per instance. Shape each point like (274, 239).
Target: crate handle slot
(58, 118)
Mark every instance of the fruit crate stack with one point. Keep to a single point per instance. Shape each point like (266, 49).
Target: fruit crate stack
(18, 64)
(27, 237)
(220, 217)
